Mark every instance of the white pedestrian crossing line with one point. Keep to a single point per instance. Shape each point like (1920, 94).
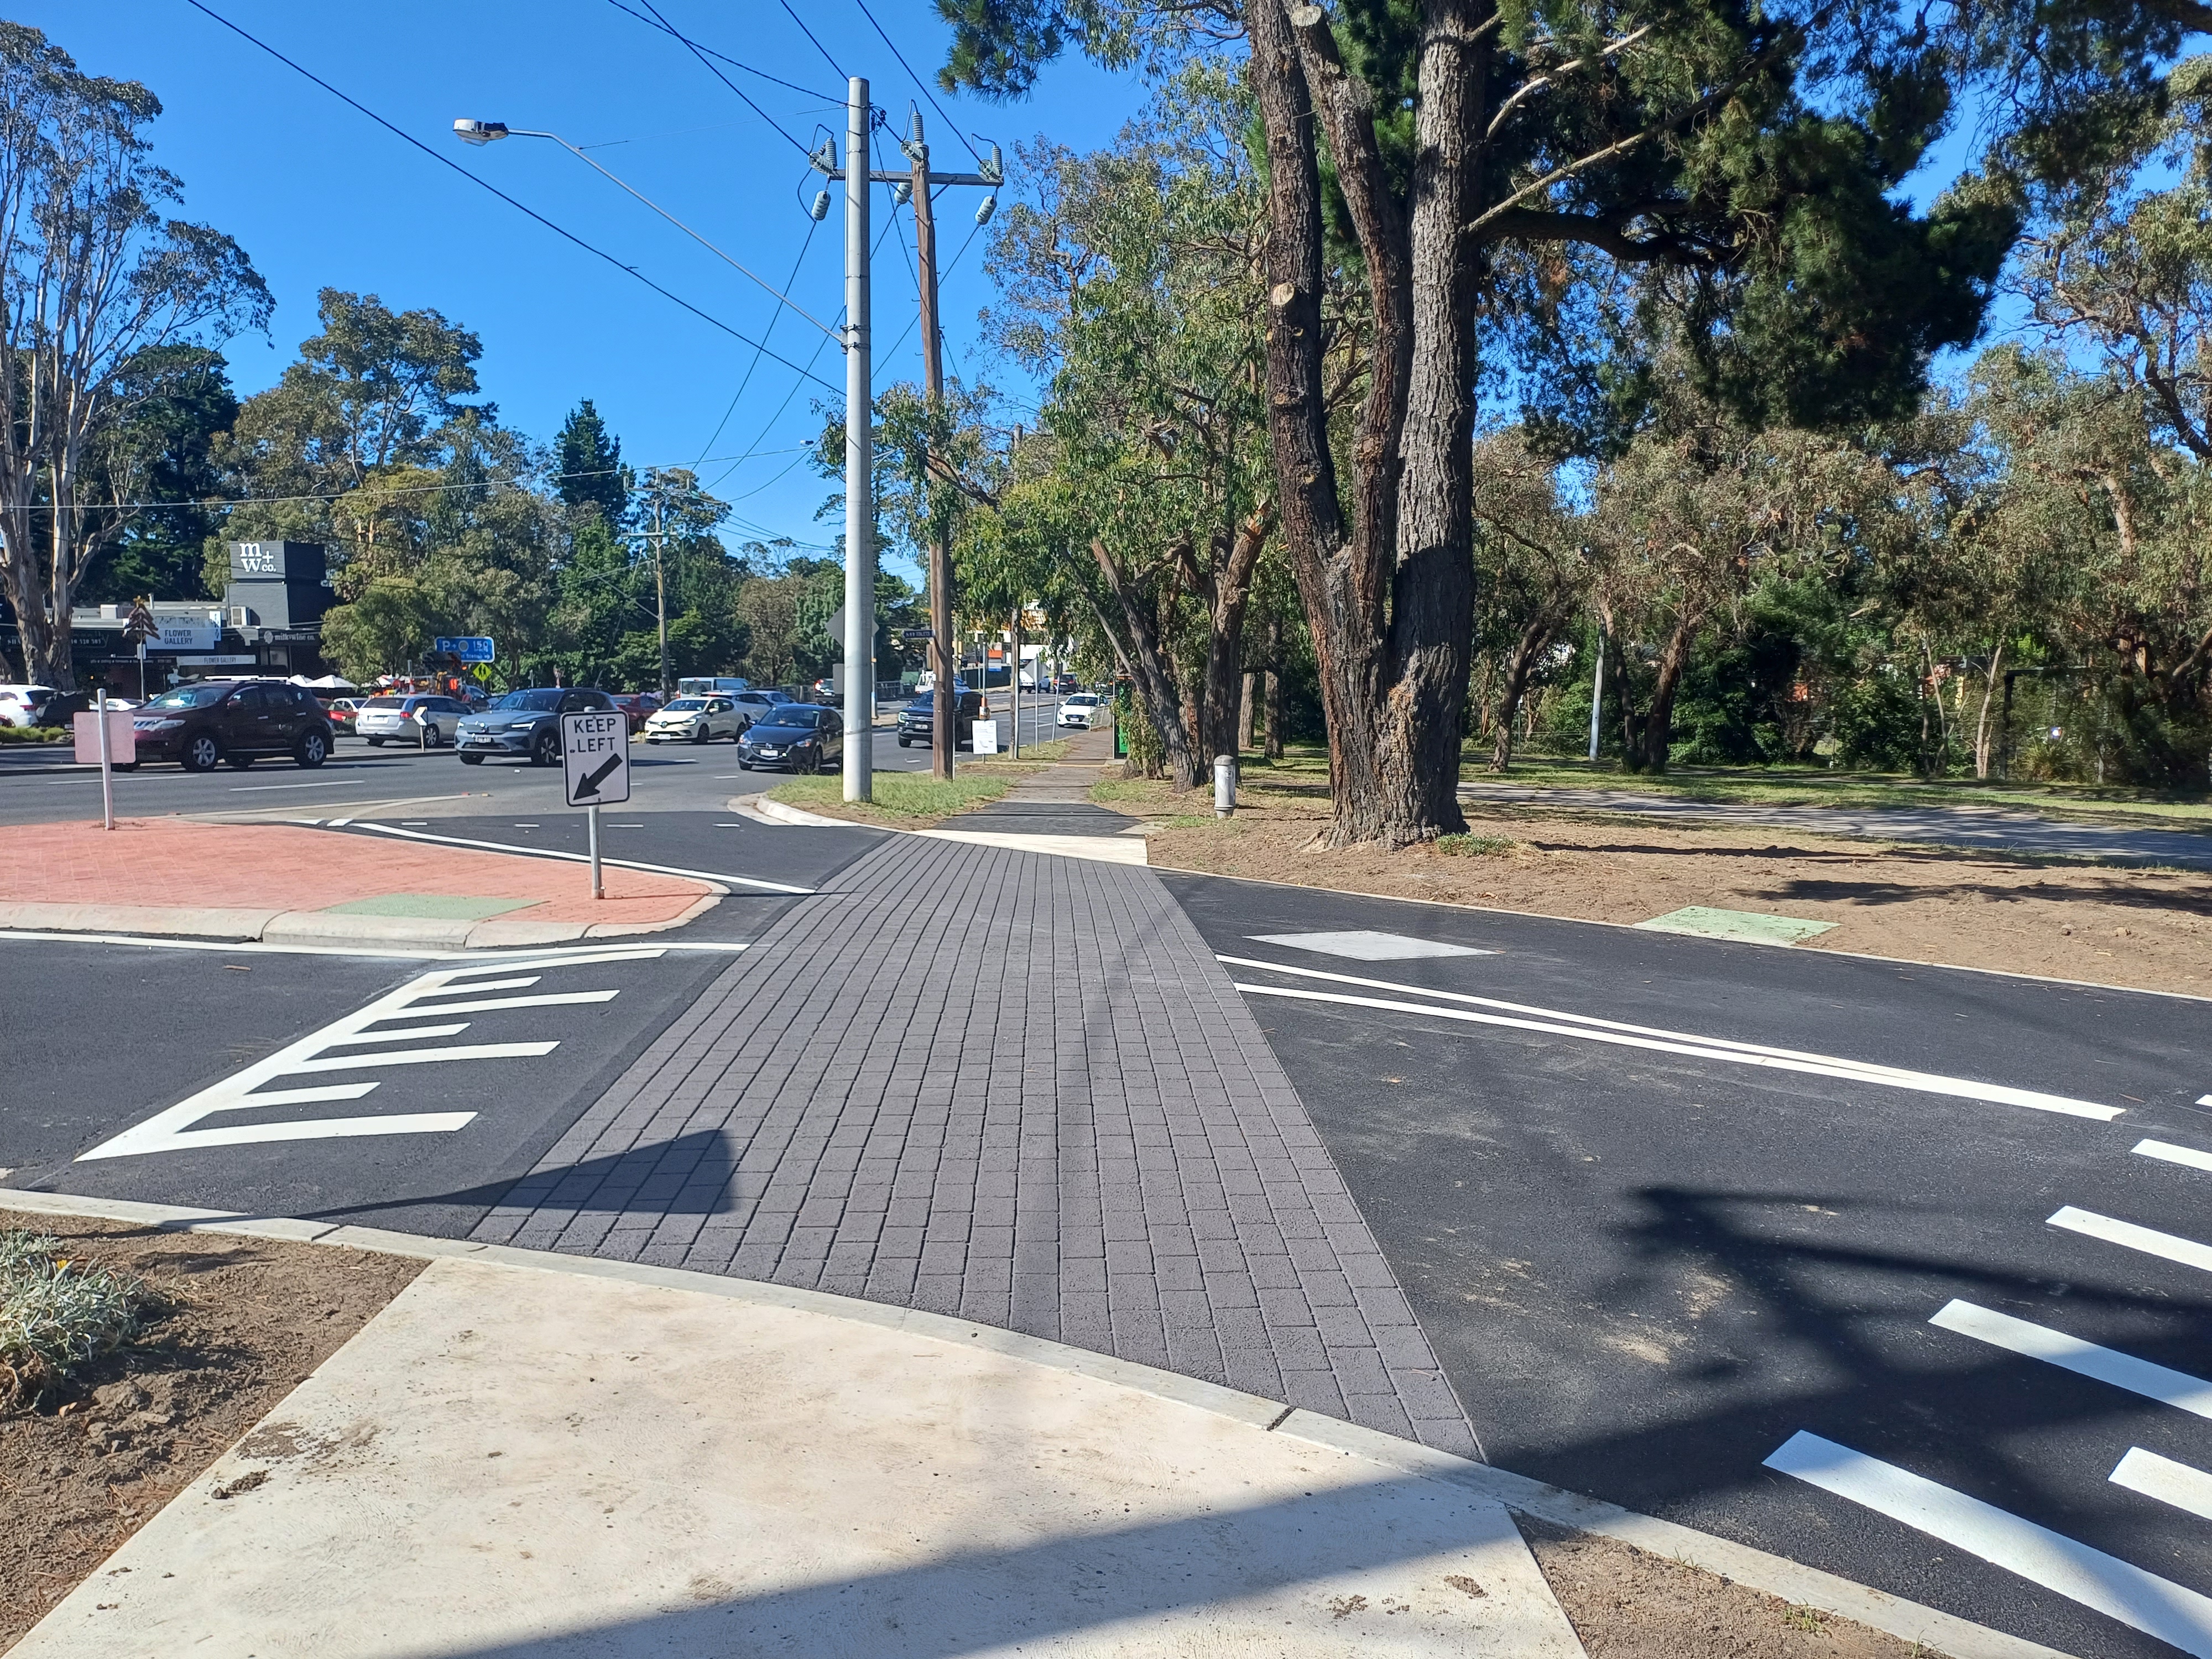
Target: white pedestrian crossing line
(2169, 1482)
(343, 1046)
(2172, 1246)
(2157, 1607)
(2034, 1342)
(1589, 1028)
(2174, 1154)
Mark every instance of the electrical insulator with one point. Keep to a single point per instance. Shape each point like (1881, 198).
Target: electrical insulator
(820, 211)
(902, 192)
(995, 168)
(990, 206)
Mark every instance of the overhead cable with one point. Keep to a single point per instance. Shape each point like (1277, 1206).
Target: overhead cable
(774, 317)
(789, 85)
(918, 82)
(485, 184)
(700, 53)
(809, 33)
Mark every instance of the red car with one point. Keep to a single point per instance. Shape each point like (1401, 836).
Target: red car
(636, 707)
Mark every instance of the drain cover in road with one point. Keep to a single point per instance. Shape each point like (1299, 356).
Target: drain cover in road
(1365, 946)
(433, 907)
(1750, 927)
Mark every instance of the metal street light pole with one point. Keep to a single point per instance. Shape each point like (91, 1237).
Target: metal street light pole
(859, 457)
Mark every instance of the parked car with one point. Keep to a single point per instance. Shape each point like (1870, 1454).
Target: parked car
(825, 693)
(418, 717)
(526, 724)
(639, 706)
(25, 705)
(1065, 684)
(751, 705)
(1085, 709)
(694, 719)
(917, 721)
(342, 713)
(239, 721)
(799, 737)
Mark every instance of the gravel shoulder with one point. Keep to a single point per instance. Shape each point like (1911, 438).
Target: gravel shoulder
(243, 1323)
(2060, 918)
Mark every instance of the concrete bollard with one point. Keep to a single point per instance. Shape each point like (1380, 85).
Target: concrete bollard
(1224, 785)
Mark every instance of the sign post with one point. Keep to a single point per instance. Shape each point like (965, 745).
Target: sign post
(106, 767)
(595, 770)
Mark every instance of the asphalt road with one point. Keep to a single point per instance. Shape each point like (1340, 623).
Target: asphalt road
(108, 1041)
(361, 780)
(1648, 1264)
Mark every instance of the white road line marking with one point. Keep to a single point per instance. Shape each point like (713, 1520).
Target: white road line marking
(585, 858)
(2158, 1607)
(177, 1128)
(1873, 1071)
(549, 1000)
(1704, 1048)
(259, 788)
(2167, 1480)
(2174, 1154)
(2204, 1100)
(2034, 1342)
(406, 1032)
(2187, 1251)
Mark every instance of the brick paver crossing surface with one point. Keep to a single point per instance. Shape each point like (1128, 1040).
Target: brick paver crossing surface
(877, 1100)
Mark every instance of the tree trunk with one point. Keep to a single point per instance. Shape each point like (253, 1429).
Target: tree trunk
(1657, 727)
(1275, 689)
(1224, 727)
(1534, 638)
(1389, 603)
(1982, 721)
(1150, 667)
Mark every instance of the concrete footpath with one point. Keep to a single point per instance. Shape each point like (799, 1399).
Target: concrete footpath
(541, 1456)
(276, 882)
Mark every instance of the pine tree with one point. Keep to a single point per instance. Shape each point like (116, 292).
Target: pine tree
(592, 473)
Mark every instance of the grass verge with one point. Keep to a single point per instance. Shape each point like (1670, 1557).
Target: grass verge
(32, 734)
(903, 800)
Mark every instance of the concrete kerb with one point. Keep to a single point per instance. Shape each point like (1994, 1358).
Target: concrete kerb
(322, 926)
(1772, 1575)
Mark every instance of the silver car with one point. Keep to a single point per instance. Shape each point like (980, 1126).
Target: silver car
(694, 719)
(421, 719)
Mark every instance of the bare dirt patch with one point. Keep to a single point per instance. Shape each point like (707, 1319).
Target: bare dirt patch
(242, 1321)
(1626, 1604)
(2149, 929)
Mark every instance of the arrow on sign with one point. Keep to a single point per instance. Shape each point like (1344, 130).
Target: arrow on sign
(590, 783)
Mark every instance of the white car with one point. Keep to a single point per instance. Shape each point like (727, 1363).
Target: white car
(696, 720)
(23, 705)
(416, 717)
(1084, 709)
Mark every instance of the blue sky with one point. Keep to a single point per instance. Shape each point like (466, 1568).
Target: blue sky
(320, 196)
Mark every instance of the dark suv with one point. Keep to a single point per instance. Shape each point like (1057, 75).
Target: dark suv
(527, 723)
(917, 720)
(240, 722)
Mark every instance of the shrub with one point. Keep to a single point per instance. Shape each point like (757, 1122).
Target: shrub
(58, 1314)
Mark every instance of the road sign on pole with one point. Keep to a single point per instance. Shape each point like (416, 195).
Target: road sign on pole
(468, 648)
(595, 768)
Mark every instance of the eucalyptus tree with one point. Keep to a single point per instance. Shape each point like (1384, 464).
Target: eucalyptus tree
(1754, 153)
(98, 289)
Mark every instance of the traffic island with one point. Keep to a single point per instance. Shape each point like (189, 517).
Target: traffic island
(288, 884)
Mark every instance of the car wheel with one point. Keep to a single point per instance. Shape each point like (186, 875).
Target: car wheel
(313, 750)
(375, 743)
(745, 766)
(546, 749)
(200, 753)
(472, 760)
(906, 743)
(699, 732)
(240, 762)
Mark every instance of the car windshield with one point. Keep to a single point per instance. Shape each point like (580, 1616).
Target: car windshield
(1083, 700)
(686, 706)
(543, 700)
(791, 717)
(190, 696)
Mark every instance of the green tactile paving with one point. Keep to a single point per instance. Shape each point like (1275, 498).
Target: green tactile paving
(1750, 926)
(434, 907)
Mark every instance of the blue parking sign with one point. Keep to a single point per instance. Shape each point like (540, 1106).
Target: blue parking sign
(469, 648)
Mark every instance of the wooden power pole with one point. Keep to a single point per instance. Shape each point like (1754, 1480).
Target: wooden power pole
(944, 702)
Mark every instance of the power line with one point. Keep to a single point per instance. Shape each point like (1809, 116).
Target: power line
(765, 430)
(484, 183)
(809, 33)
(918, 80)
(941, 276)
(774, 318)
(790, 86)
(700, 53)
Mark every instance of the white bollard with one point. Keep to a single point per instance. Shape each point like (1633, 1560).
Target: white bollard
(1224, 785)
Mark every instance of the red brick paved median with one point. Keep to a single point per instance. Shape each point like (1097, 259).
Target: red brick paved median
(167, 861)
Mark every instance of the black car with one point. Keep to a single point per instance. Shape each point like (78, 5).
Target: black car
(799, 737)
(526, 724)
(917, 721)
(240, 722)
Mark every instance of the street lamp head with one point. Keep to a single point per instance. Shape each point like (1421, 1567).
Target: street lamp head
(478, 132)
